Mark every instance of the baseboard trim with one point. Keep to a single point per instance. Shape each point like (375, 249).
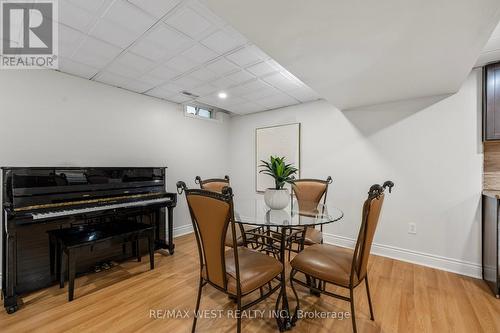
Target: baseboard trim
(183, 230)
(415, 257)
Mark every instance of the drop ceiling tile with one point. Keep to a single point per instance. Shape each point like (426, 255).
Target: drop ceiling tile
(75, 16)
(189, 22)
(210, 99)
(171, 87)
(222, 66)
(199, 54)
(152, 79)
(262, 68)
(240, 77)
(161, 42)
(187, 82)
(222, 83)
(113, 33)
(249, 87)
(282, 82)
(69, 40)
(247, 107)
(111, 79)
(137, 86)
(204, 90)
(160, 92)
(126, 15)
(231, 100)
(221, 42)
(179, 98)
(164, 72)
(156, 8)
(130, 65)
(304, 94)
(247, 56)
(204, 11)
(95, 53)
(261, 93)
(276, 101)
(203, 74)
(75, 68)
(181, 64)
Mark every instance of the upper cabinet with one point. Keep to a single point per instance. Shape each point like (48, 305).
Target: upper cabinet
(491, 125)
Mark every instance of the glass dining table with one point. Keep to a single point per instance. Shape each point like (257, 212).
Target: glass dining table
(272, 231)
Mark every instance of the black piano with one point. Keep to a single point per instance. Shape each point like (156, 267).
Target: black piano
(36, 200)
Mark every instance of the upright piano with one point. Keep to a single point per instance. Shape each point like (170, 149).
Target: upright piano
(39, 199)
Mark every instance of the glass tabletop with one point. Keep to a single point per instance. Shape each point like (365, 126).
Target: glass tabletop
(256, 212)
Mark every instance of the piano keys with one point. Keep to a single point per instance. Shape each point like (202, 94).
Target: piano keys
(36, 200)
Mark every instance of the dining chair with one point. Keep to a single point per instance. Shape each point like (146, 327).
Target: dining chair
(213, 184)
(340, 266)
(238, 271)
(216, 185)
(309, 194)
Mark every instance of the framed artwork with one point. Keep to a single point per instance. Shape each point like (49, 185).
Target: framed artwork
(281, 140)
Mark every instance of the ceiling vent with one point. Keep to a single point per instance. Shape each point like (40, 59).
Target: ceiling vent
(187, 93)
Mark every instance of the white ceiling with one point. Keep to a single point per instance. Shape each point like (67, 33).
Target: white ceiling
(163, 47)
(355, 52)
(491, 52)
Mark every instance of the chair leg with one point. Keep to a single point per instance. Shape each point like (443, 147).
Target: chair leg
(195, 317)
(353, 315)
(238, 323)
(369, 298)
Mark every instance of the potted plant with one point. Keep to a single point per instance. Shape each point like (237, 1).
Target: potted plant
(278, 197)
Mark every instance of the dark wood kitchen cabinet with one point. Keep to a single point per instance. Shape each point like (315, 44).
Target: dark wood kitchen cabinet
(490, 231)
(491, 102)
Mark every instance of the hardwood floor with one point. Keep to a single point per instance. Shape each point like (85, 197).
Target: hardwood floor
(406, 298)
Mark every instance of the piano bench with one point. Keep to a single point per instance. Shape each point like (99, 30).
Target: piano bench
(69, 240)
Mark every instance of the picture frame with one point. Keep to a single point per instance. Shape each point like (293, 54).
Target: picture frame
(278, 140)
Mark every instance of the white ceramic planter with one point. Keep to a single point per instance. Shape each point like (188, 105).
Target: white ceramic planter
(276, 199)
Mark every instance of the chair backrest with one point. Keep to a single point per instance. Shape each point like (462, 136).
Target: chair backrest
(213, 184)
(211, 213)
(309, 192)
(371, 214)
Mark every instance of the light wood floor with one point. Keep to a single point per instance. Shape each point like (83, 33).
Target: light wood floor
(406, 298)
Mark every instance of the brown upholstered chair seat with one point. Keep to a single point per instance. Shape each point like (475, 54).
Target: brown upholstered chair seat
(256, 269)
(313, 236)
(326, 262)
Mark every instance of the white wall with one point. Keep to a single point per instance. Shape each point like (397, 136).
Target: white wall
(53, 119)
(430, 148)
(431, 151)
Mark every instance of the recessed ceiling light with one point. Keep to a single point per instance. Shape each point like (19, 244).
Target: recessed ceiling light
(222, 95)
